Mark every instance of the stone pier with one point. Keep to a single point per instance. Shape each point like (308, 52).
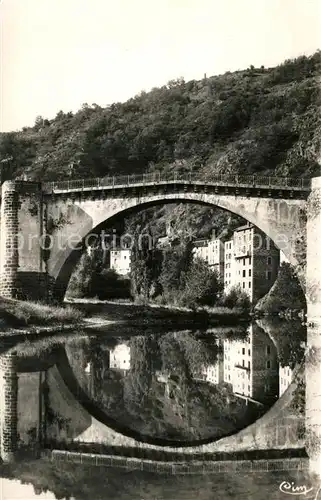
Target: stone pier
(9, 253)
(313, 358)
(8, 407)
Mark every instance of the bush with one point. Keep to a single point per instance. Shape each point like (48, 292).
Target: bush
(109, 285)
(236, 298)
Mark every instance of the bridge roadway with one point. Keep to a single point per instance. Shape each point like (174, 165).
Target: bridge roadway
(254, 185)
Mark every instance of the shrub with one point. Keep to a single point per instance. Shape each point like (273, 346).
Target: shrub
(236, 298)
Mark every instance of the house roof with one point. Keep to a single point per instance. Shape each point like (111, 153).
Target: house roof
(242, 228)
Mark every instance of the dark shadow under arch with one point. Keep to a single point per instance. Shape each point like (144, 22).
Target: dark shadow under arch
(61, 282)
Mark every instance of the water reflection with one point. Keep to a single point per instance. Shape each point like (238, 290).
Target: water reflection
(181, 387)
(186, 385)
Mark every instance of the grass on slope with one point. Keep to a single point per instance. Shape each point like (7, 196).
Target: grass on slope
(17, 313)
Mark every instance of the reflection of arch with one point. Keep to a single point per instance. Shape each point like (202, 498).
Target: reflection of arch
(92, 217)
(275, 429)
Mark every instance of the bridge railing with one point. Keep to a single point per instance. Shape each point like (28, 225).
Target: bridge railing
(185, 178)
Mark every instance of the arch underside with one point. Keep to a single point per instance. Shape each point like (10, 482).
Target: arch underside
(270, 216)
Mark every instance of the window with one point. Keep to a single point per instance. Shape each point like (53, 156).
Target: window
(243, 362)
(268, 364)
(249, 364)
(243, 259)
(243, 284)
(243, 350)
(249, 352)
(268, 349)
(244, 273)
(250, 261)
(269, 261)
(268, 275)
(250, 273)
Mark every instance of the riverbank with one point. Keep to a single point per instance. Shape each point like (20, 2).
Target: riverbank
(30, 319)
(18, 313)
(155, 314)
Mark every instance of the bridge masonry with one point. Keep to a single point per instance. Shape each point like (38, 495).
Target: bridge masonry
(43, 231)
(22, 269)
(8, 407)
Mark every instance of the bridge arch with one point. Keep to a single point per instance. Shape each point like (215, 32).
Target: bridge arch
(282, 222)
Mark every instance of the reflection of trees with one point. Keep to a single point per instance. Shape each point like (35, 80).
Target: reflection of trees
(144, 359)
(289, 338)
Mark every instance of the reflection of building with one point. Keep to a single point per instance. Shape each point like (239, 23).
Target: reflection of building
(251, 365)
(256, 262)
(120, 260)
(285, 377)
(215, 373)
(212, 251)
(283, 258)
(120, 357)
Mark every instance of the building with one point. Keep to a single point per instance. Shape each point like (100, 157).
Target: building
(251, 366)
(212, 251)
(285, 377)
(120, 260)
(229, 264)
(120, 358)
(256, 262)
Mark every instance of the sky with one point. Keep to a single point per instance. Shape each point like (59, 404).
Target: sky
(59, 54)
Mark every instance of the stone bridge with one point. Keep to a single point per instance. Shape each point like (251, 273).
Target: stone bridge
(44, 227)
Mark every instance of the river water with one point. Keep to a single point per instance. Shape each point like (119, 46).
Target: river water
(168, 388)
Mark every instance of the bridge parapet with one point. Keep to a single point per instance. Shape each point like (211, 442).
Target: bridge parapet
(157, 178)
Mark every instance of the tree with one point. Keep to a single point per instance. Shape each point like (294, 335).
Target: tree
(202, 284)
(176, 263)
(145, 263)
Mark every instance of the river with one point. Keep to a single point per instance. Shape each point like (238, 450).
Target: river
(101, 390)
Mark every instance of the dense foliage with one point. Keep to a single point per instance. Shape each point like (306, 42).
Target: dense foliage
(253, 121)
(286, 292)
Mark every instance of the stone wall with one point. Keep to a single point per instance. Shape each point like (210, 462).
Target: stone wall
(8, 407)
(22, 270)
(9, 260)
